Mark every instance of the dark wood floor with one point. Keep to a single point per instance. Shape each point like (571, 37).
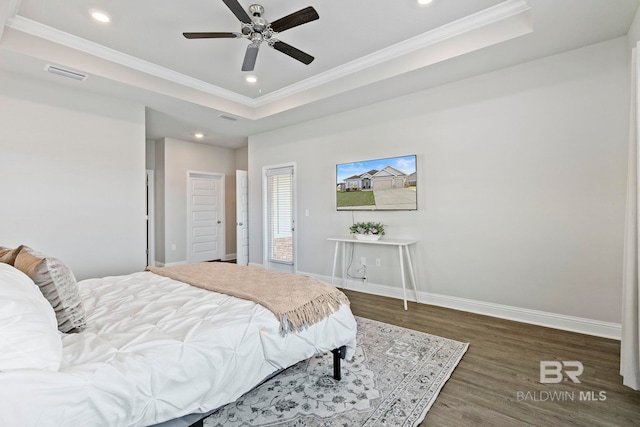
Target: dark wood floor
(497, 383)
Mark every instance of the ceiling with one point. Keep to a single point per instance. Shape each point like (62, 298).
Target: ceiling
(362, 54)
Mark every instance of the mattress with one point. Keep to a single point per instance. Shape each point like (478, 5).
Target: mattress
(156, 349)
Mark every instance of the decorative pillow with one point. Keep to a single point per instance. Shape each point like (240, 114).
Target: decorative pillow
(29, 337)
(8, 256)
(57, 284)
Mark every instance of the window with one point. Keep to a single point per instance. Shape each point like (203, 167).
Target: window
(279, 208)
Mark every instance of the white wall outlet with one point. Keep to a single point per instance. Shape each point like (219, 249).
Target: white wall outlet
(363, 261)
(378, 262)
(173, 247)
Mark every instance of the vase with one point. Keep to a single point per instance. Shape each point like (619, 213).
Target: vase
(370, 237)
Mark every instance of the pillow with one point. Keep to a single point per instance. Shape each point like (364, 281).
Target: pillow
(57, 284)
(8, 256)
(29, 337)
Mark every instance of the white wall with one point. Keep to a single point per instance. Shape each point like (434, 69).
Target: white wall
(242, 158)
(521, 183)
(633, 36)
(173, 158)
(72, 176)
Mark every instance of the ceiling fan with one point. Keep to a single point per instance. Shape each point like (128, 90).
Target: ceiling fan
(258, 30)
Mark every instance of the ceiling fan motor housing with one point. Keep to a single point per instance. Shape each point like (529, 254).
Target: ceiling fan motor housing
(259, 23)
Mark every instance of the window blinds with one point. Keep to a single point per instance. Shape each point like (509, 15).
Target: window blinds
(280, 215)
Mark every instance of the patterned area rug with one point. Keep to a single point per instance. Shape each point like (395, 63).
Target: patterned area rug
(393, 380)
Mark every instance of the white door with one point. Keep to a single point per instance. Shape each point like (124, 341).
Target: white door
(151, 242)
(205, 234)
(242, 218)
(279, 218)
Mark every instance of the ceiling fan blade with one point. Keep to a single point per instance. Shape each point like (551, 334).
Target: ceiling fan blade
(300, 17)
(211, 35)
(305, 58)
(238, 10)
(249, 62)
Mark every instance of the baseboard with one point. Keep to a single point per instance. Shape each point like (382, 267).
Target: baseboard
(227, 257)
(535, 317)
(170, 264)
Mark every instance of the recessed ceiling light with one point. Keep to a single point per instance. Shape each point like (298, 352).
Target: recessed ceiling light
(199, 135)
(100, 16)
(251, 79)
(424, 2)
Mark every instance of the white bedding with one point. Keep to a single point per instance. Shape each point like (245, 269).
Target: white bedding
(156, 349)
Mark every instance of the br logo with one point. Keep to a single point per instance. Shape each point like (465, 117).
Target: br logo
(551, 371)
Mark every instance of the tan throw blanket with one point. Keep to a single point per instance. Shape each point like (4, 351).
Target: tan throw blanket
(297, 301)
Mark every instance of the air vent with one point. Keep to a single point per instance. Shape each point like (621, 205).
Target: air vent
(75, 75)
(228, 117)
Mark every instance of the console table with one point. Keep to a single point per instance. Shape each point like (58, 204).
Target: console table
(403, 251)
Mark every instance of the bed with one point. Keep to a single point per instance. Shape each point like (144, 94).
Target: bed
(148, 349)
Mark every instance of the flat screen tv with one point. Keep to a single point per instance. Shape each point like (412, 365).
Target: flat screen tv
(387, 184)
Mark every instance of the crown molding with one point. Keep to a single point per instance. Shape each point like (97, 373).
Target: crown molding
(9, 12)
(469, 23)
(478, 20)
(37, 29)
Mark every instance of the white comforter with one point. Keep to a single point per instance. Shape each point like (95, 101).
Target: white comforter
(156, 349)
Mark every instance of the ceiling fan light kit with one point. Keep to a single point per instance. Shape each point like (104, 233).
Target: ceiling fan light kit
(258, 30)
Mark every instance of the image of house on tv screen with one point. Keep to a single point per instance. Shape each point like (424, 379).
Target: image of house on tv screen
(382, 184)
